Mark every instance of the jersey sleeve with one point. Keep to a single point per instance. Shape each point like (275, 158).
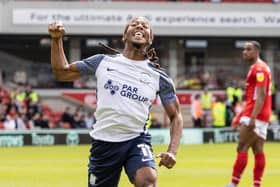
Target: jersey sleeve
(261, 76)
(89, 66)
(166, 90)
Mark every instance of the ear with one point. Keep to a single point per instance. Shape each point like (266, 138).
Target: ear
(150, 41)
(124, 39)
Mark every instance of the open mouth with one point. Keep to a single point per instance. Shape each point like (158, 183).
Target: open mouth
(138, 35)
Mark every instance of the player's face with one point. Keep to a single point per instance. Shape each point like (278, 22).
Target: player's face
(138, 32)
(250, 53)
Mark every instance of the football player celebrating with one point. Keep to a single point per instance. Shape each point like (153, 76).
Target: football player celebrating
(127, 83)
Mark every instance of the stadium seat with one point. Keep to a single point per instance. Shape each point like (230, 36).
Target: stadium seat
(66, 125)
(54, 117)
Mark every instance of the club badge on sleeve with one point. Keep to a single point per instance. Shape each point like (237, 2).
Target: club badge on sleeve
(260, 77)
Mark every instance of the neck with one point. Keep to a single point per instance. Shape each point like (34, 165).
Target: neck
(253, 61)
(134, 53)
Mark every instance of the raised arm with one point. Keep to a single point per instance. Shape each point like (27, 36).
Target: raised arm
(62, 70)
(168, 159)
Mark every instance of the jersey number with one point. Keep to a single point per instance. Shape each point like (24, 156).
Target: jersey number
(147, 153)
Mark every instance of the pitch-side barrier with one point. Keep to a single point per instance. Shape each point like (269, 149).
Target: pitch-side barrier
(18, 138)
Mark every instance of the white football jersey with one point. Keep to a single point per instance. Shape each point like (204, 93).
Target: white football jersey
(125, 91)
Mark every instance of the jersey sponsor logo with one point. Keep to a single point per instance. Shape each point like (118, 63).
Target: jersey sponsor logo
(132, 93)
(113, 88)
(260, 77)
(127, 91)
(145, 78)
(110, 69)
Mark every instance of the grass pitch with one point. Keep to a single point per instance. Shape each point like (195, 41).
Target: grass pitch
(206, 165)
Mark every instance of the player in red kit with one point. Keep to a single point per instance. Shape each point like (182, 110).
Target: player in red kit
(254, 119)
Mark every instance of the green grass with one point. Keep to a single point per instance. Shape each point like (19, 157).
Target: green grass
(198, 166)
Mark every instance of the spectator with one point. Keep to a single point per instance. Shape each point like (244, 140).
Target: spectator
(196, 110)
(40, 121)
(219, 113)
(206, 102)
(13, 120)
(4, 95)
(234, 92)
(18, 95)
(89, 120)
(156, 123)
(31, 97)
(67, 117)
(79, 122)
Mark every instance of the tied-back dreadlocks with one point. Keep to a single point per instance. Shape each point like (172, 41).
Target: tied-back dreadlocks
(150, 54)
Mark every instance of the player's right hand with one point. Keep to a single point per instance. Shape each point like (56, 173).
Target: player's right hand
(56, 29)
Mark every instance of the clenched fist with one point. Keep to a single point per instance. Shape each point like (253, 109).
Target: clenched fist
(56, 29)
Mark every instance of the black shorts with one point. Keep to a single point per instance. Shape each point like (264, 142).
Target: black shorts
(107, 159)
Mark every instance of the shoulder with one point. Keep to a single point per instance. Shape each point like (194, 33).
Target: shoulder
(99, 57)
(91, 64)
(164, 78)
(261, 66)
(157, 70)
(95, 60)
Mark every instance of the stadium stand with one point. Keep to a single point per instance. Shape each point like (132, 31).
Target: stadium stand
(194, 55)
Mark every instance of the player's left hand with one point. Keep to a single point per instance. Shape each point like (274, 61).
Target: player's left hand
(167, 159)
(252, 123)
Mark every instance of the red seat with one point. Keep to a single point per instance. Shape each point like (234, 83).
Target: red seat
(66, 125)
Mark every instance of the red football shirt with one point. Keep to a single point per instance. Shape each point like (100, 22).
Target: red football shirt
(258, 75)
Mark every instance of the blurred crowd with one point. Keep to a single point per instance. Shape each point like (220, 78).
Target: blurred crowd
(21, 108)
(209, 110)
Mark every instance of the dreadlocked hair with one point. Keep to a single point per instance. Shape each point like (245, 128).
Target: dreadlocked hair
(150, 54)
(109, 49)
